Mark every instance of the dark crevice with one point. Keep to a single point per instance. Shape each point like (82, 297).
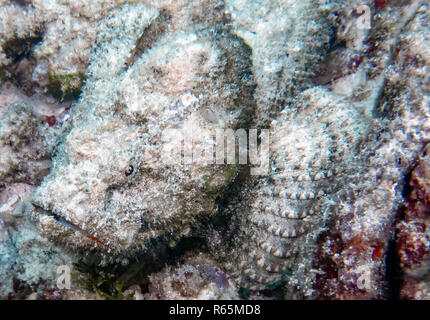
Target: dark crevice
(105, 280)
(20, 290)
(394, 273)
(222, 222)
(16, 49)
(21, 3)
(19, 72)
(406, 186)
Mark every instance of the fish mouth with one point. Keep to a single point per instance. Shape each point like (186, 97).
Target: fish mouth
(69, 225)
(77, 233)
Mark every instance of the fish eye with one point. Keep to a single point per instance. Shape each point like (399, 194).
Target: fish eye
(129, 170)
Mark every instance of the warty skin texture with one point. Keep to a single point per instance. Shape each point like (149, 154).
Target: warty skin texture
(119, 125)
(320, 223)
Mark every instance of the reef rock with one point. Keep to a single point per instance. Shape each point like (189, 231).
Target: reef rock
(323, 226)
(413, 235)
(197, 278)
(56, 39)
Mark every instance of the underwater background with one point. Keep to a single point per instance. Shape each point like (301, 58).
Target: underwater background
(214, 149)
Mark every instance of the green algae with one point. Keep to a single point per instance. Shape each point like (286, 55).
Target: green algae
(65, 86)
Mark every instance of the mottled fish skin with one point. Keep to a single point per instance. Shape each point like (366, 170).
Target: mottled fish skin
(281, 214)
(112, 178)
